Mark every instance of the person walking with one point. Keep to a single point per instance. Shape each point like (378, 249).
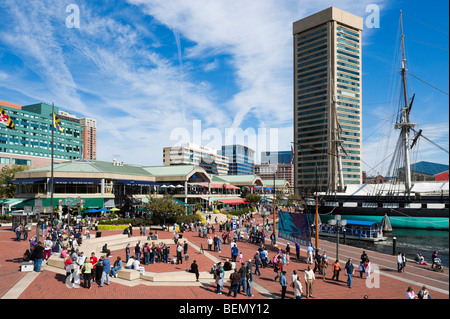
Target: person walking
(297, 251)
(283, 283)
(278, 268)
(106, 268)
(248, 282)
(324, 264)
(309, 280)
(309, 258)
(336, 270)
(257, 259)
(242, 273)
(235, 279)
(194, 269)
(317, 262)
(349, 271)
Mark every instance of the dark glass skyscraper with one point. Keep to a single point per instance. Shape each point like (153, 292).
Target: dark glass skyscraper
(241, 159)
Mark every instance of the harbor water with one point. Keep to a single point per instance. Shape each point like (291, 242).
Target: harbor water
(410, 242)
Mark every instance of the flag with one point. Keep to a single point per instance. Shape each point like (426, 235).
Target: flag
(57, 123)
(5, 119)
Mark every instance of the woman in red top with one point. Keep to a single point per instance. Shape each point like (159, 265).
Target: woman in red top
(67, 262)
(93, 260)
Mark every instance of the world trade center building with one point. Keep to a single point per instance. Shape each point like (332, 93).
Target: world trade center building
(327, 101)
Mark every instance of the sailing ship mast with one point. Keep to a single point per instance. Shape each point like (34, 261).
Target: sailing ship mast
(404, 124)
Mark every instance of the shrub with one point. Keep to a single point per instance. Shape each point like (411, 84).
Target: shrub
(187, 219)
(112, 227)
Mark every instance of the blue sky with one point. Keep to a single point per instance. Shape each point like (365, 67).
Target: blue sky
(151, 70)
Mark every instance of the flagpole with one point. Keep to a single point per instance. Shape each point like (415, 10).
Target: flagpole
(52, 183)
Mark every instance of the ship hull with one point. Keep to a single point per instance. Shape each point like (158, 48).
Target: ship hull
(427, 213)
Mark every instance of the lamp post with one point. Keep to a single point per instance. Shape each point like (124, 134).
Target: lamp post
(337, 223)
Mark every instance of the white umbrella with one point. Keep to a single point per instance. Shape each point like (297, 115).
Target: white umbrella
(171, 186)
(180, 186)
(164, 186)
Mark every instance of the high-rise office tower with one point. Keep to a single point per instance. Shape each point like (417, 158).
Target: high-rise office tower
(242, 159)
(89, 136)
(327, 100)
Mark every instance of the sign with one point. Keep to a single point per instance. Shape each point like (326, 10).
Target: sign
(234, 222)
(294, 227)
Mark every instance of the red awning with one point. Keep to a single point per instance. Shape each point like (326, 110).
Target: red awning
(235, 201)
(231, 187)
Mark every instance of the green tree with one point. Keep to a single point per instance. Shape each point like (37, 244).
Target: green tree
(160, 206)
(7, 174)
(253, 199)
(294, 198)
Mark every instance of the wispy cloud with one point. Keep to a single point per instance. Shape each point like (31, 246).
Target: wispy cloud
(150, 66)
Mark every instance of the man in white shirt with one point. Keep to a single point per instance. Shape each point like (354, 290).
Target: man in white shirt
(179, 250)
(130, 262)
(309, 279)
(137, 266)
(81, 258)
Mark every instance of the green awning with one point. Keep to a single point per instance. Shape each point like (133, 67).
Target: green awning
(89, 202)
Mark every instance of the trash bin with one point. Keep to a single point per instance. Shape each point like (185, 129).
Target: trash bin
(98, 234)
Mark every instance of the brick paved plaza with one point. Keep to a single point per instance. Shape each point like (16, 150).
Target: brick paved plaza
(50, 283)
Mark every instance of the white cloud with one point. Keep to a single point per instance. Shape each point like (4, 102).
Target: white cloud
(113, 68)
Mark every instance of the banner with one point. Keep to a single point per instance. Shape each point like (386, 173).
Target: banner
(295, 227)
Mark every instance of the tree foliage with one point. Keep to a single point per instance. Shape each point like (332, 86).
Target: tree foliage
(253, 199)
(162, 207)
(7, 174)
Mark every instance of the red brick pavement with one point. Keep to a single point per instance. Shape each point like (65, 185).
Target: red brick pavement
(392, 285)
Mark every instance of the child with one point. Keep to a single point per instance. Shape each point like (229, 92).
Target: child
(241, 258)
(361, 269)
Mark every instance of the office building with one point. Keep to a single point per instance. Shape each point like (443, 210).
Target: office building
(241, 159)
(280, 157)
(281, 172)
(89, 137)
(202, 156)
(327, 100)
(30, 142)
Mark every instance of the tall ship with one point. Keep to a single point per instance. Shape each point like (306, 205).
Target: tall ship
(405, 203)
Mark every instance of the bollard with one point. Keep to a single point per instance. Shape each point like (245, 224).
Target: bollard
(345, 236)
(394, 243)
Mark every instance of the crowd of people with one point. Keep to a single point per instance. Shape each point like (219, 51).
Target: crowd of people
(60, 238)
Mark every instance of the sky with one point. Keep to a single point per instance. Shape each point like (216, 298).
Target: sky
(157, 73)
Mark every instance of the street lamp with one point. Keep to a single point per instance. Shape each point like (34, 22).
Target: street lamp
(264, 213)
(337, 223)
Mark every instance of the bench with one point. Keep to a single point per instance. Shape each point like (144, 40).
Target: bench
(56, 261)
(128, 274)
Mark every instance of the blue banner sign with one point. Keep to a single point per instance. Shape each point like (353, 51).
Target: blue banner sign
(295, 227)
